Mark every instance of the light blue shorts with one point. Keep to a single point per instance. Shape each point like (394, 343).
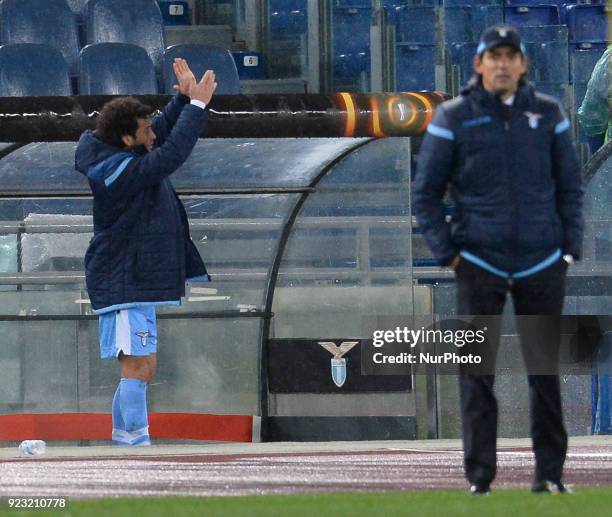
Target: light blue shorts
(132, 331)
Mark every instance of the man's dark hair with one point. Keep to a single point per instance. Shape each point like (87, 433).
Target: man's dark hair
(118, 118)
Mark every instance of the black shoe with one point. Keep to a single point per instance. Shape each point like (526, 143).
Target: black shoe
(545, 486)
(480, 489)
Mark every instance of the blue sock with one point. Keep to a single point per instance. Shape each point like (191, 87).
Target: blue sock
(118, 422)
(133, 403)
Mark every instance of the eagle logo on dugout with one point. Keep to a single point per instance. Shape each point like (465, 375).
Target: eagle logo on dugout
(338, 363)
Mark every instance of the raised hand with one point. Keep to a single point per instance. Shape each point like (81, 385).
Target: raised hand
(184, 76)
(203, 91)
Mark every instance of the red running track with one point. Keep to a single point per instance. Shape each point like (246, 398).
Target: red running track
(280, 473)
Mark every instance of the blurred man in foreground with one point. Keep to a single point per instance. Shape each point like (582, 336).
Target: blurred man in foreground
(507, 153)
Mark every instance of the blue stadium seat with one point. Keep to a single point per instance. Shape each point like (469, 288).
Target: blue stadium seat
(461, 55)
(463, 3)
(545, 33)
(200, 59)
(49, 23)
(559, 3)
(579, 93)
(547, 49)
(138, 22)
(32, 69)
(390, 4)
(76, 5)
(174, 12)
(465, 24)
(415, 67)
(549, 62)
(557, 90)
(250, 65)
(116, 69)
(352, 3)
(587, 23)
(415, 24)
(351, 52)
(473, 3)
(519, 3)
(582, 62)
(288, 19)
(520, 16)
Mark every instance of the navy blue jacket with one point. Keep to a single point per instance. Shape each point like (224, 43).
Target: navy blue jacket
(141, 252)
(514, 178)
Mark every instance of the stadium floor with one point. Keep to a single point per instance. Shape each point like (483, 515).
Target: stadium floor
(280, 468)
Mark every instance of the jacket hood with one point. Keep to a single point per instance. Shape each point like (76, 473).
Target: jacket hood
(91, 150)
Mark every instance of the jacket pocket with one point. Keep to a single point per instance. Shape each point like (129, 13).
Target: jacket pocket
(459, 229)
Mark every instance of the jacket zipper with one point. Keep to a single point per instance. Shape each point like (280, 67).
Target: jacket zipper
(509, 151)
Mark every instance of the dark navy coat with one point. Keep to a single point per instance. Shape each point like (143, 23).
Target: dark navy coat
(141, 252)
(514, 178)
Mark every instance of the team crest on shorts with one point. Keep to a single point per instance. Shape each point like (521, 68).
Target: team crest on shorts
(338, 363)
(534, 119)
(143, 338)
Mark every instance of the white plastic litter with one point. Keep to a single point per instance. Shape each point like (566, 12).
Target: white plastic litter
(32, 447)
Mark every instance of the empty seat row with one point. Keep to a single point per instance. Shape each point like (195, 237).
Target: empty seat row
(551, 58)
(30, 69)
(174, 12)
(416, 24)
(52, 22)
(416, 37)
(560, 3)
(587, 23)
(399, 3)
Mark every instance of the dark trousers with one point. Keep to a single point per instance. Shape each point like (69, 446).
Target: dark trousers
(482, 293)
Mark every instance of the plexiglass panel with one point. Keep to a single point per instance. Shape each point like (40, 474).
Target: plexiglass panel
(237, 237)
(349, 255)
(265, 162)
(38, 361)
(54, 366)
(204, 366)
(41, 166)
(8, 253)
(45, 232)
(214, 163)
